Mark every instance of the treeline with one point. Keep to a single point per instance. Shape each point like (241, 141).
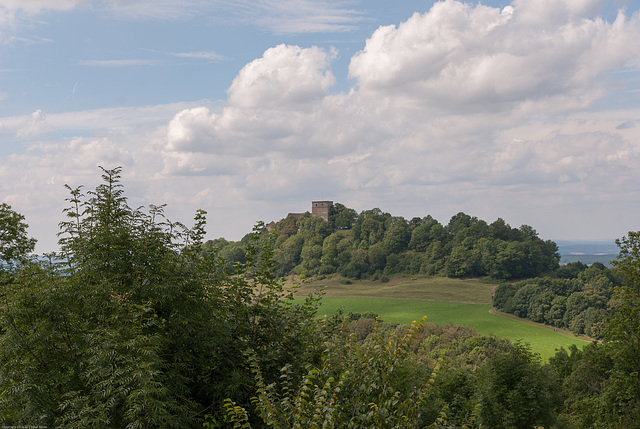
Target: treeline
(132, 325)
(578, 298)
(374, 244)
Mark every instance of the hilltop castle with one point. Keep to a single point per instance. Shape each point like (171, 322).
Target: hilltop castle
(318, 209)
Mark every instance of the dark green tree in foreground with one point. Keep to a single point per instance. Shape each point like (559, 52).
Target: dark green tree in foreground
(15, 244)
(601, 383)
(517, 391)
(623, 332)
(136, 327)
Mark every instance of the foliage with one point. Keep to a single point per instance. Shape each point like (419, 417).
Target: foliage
(138, 323)
(358, 385)
(135, 327)
(517, 391)
(600, 383)
(15, 244)
(581, 304)
(374, 243)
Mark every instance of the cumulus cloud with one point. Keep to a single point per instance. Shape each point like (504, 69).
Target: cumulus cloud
(33, 126)
(284, 76)
(270, 106)
(468, 58)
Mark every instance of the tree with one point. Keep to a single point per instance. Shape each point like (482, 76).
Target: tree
(336, 250)
(421, 236)
(455, 265)
(287, 227)
(623, 331)
(288, 255)
(517, 391)
(459, 223)
(397, 235)
(510, 261)
(370, 228)
(627, 265)
(15, 245)
(103, 338)
(341, 217)
(583, 374)
(138, 327)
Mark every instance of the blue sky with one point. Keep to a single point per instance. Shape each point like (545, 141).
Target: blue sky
(525, 110)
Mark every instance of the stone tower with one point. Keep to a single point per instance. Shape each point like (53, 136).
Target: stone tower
(321, 209)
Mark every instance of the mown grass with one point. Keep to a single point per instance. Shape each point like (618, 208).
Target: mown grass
(442, 300)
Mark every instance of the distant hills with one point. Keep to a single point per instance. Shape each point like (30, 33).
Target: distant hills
(587, 252)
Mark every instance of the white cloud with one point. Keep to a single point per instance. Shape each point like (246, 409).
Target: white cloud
(276, 16)
(114, 121)
(202, 55)
(547, 13)
(304, 16)
(33, 126)
(159, 9)
(269, 107)
(296, 16)
(279, 16)
(14, 13)
(284, 76)
(469, 58)
(37, 6)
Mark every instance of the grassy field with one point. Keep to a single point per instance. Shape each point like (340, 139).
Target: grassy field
(442, 300)
(442, 289)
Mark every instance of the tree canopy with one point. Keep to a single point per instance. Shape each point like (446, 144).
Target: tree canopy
(15, 244)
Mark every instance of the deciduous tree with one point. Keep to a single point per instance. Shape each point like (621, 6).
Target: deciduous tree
(15, 244)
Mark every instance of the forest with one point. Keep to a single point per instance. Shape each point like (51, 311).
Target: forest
(137, 322)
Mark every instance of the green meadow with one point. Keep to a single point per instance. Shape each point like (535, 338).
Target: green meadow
(463, 302)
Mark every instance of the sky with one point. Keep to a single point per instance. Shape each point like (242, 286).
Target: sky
(526, 110)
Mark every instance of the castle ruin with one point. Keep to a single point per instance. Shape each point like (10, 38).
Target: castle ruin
(321, 209)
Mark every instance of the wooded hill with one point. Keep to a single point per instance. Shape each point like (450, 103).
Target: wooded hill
(374, 244)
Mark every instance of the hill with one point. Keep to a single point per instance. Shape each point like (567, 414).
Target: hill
(587, 252)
